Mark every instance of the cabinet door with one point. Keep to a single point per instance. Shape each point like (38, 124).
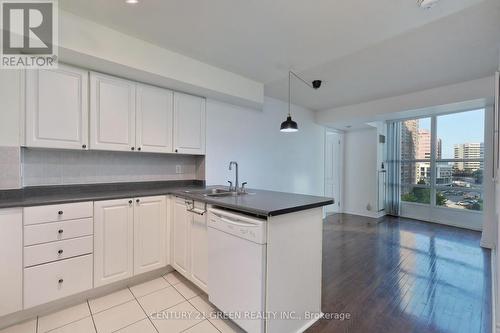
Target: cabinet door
(199, 249)
(189, 124)
(154, 107)
(180, 237)
(57, 108)
(113, 241)
(112, 113)
(150, 234)
(11, 257)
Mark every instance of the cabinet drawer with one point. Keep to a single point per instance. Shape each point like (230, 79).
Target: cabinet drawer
(50, 232)
(55, 280)
(39, 254)
(51, 213)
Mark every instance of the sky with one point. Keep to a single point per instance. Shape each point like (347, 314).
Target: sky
(463, 127)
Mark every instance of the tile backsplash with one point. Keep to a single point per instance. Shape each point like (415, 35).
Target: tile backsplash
(10, 174)
(63, 167)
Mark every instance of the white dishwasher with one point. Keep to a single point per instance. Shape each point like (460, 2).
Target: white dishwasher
(237, 267)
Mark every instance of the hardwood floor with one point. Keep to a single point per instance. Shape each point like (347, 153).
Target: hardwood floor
(403, 276)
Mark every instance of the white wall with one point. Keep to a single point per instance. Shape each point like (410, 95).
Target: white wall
(268, 159)
(360, 172)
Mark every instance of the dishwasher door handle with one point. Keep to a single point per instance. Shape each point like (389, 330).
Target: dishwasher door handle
(240, 224)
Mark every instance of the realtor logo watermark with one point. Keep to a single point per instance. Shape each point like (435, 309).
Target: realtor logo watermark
(29, 36)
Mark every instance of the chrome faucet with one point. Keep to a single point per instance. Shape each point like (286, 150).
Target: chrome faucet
(236, 174)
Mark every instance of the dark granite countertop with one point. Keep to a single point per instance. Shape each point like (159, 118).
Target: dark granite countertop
(258, 202)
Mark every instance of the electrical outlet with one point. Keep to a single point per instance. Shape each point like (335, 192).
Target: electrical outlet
(178, 169)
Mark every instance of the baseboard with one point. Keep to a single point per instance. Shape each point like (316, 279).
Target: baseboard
(57, 305)
(494, 287)
(370, 215)
(310, 323)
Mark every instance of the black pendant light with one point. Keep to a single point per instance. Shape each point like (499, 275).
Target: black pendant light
(289, 125)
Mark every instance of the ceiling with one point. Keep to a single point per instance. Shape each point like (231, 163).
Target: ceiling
(361, 48)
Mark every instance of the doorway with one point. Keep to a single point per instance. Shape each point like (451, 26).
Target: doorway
(333, 169)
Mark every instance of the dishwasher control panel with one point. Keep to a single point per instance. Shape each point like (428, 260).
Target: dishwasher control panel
(239, 225)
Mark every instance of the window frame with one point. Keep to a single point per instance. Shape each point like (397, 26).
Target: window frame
(433, 161)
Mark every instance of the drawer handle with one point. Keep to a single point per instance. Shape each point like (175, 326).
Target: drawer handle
(60, 252)
(60, 281)
(60, 231)
(60, 212)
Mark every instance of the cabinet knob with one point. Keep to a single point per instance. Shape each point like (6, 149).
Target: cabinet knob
(137, 200)
(84, 146)
(176, 150)
(60, 212)
(60, 231)
(130, 201)
(139, 148)
(60, 281)
(132, 148)
(60, 252)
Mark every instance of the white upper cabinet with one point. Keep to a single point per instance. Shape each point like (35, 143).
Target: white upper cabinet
(123, 115)
(154, 119)
(112, 113)
(113, 241)
(150, 234)
(189, 124)
(57, 108)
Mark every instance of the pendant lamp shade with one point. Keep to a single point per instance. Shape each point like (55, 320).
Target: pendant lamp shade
(289, 125)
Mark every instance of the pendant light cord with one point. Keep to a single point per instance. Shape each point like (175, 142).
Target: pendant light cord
(289, 92)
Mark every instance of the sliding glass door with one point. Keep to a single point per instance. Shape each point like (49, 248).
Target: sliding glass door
(442, 167)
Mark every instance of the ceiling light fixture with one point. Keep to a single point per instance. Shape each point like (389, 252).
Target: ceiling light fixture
(427, 4)
(132, 2)
(289, 125)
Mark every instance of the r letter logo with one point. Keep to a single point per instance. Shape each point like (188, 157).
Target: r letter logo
(29, 34)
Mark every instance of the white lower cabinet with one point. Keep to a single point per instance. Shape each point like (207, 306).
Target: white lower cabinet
(150, 234)
(180, 236)
(129, 238)
(11, 257)
(113, 241)
(45, 283)
(189, 242)
(199, 250)
(58, 247)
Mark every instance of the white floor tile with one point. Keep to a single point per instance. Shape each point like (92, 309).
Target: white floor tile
(203, 327)
(108, 301)
(118, 317)
(202, 304)
(64, 317)
(177, 318)
(143, 326)
(160, 300)
(149, 287)
(25, 327)
(226, 326)
(187, 289)
(174, 278)
(85, 325)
